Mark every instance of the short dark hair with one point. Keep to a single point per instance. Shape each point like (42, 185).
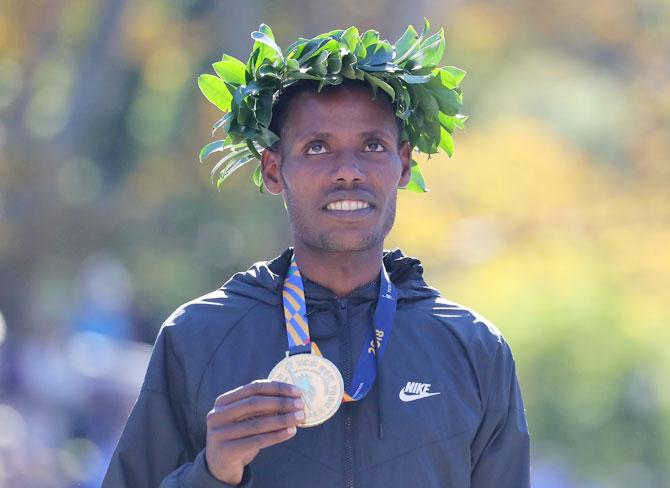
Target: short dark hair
(283, 97)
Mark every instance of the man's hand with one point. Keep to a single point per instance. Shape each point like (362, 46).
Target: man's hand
(247, 419)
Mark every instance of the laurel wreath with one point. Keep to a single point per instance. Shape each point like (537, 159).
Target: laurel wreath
(426, 97)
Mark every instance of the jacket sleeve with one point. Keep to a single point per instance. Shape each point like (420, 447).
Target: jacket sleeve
(155, 449)
(501, 447)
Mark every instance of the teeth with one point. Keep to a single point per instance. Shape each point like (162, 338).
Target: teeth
(348, 205)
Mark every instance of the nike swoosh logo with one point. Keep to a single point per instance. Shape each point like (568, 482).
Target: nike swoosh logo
(410, 398)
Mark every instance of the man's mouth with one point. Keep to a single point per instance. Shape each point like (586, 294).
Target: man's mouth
(347, 205)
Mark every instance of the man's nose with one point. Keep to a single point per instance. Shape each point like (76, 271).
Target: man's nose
(348, 169)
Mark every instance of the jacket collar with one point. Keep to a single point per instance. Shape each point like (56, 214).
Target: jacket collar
(264, 280)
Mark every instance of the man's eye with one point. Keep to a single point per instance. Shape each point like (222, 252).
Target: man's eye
(316, 148)
(374, 147)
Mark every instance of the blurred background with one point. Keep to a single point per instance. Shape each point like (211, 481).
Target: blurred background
(551, 219)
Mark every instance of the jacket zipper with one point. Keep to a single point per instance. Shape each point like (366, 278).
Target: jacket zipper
(348, 421)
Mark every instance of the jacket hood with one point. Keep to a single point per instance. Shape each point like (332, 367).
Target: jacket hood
(264, 280)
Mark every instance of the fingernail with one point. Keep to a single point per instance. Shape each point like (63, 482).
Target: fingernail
(298, 403)
(296, 390)
(291, 430)
(300, 415)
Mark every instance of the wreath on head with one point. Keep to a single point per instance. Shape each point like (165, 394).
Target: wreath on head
(426, 98)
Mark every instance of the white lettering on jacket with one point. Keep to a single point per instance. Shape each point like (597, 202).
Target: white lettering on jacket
(414, 391)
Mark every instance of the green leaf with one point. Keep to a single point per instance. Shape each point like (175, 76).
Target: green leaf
(426, 27)
(295, 49)
(292, 64)
(348, 62)
(264, 55)
(211, 148)
(315, 47)
(370, 38)
(245, 116)
(215, 90)
(379, 68)
(379, 83)
(265, 137)
(406, 41)
(237, 151)
(433, 133)
(412, 135)
(382, 54)
(457, 73)
(361, 51)
(429, 105)
(263, 108)
(265, 29)
(431, 51)
(425, 71)
(222, 122)
(448, 122)
(334, 63)
(330, 47)
(415, 79)
(253, 150)
(236, 164)
(268, 40)
(257, 177)
(426, 144)
(335, 34)
(256, 87)
(446, 142)
(330, 80)
(450, 101)
(442, 79)
(446, 78)
(402, 98)
(403, 59)
(459, 121)
(299, 75)
(350, 38)
(319, 64)
(416, 183)
(230, 69)
(236, 133)
(232, 166)
(264, 49)
(268, 70)
(305, 46)
(251, 62)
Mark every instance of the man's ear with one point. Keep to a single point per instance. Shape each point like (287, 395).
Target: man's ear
(405, 153)
(270, 167)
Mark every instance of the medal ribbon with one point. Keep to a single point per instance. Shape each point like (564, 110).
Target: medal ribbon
(297, 329)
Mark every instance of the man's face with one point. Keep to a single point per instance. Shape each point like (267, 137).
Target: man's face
(340, 164)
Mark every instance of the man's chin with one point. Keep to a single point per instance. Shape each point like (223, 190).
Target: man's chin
(349, 243)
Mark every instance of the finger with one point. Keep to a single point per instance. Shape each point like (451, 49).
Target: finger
(252, 407)
(258, 425)
(258, 387)
(261, 441)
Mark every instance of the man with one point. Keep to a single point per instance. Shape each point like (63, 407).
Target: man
(443, 406)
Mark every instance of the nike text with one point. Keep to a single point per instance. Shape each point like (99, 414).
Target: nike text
(414, 391)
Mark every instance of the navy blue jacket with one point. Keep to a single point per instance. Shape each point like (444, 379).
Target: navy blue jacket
(473, 434)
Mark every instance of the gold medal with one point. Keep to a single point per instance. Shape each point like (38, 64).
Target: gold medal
(319, 380)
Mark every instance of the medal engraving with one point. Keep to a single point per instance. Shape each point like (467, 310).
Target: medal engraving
(319, 380)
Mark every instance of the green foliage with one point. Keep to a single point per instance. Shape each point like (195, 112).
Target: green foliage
(426, 98)
(416, 183)
(216, 91)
